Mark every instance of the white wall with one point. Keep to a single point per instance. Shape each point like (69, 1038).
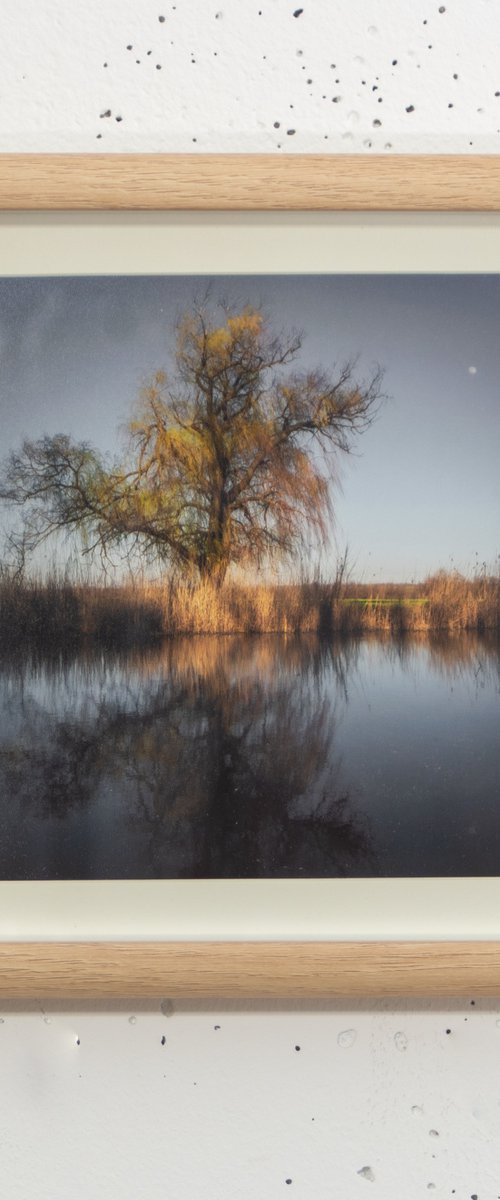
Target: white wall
(374, 1100)
(240, 74)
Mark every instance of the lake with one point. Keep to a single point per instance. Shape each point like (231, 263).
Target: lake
(251, 757)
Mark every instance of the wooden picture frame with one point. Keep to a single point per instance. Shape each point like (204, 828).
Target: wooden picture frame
(277, 969)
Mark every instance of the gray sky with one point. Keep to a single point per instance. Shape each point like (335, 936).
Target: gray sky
(422, 490)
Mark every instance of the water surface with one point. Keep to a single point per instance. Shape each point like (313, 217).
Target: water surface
(251, 757)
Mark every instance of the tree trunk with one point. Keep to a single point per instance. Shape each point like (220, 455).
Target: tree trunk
(217, 553)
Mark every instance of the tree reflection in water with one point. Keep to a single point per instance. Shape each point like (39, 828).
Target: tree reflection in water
(241, 757)
(221, 751)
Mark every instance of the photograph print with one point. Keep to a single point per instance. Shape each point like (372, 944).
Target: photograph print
(249, 577)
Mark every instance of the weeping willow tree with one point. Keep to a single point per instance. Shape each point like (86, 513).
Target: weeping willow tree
(230, 458)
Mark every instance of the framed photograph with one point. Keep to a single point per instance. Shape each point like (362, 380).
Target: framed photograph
(249, 576)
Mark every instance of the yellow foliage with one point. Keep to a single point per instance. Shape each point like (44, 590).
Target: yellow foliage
(246, 325)
(218, 341)
(247, 322)
(147, 504)
(181, 439)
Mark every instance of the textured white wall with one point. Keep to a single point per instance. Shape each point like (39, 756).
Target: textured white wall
(226, 1103)
(295, 75)
(236, 1103)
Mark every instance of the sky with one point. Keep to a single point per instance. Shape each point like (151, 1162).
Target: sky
(421, 490)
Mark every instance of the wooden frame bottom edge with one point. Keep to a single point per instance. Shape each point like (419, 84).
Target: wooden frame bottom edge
(248, 970)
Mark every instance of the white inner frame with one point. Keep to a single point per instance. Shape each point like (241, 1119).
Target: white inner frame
(250, 243)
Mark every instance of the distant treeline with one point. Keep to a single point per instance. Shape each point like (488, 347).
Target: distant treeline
(54, 611)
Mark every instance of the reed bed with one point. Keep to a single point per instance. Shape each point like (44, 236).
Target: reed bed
(56, 610)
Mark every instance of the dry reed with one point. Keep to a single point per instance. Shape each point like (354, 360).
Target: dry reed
(56, 610)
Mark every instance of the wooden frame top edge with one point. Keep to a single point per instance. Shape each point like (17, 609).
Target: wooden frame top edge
(249, 970)
(266, 182)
